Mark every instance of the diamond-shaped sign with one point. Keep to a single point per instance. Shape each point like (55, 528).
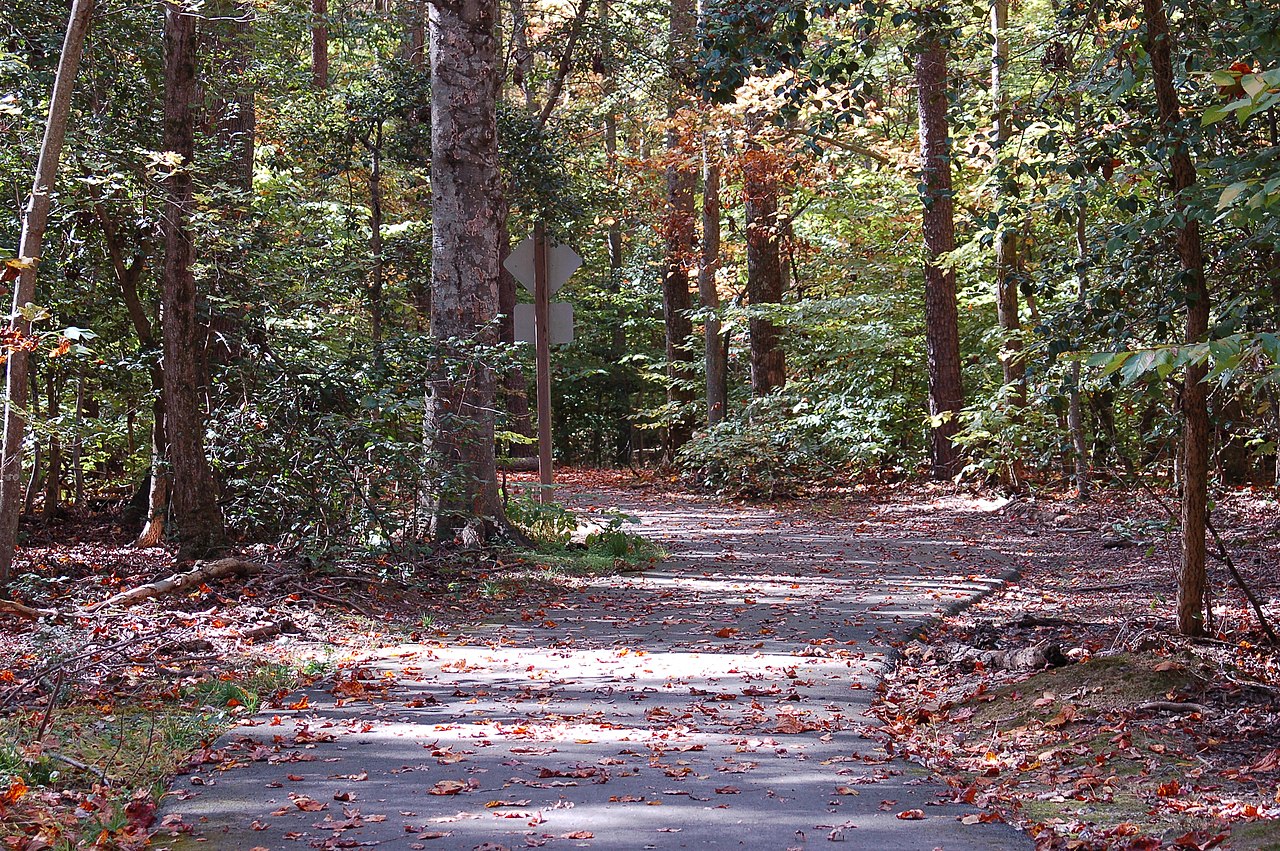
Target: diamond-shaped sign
(562, 262)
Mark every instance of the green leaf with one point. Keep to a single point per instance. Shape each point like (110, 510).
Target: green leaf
(1117, 360)
(1231, 193)
(1213, 115)
(1253, 84)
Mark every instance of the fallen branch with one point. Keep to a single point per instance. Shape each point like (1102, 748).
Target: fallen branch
(268, 630)
(12, 608)
(75, 763)
(1225, 558)
(202, 573)
(1171, 706)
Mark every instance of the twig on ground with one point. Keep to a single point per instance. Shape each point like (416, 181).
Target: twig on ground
(75, 763)
(338, 601)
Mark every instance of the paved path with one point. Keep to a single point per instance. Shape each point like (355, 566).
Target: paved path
(716, 701)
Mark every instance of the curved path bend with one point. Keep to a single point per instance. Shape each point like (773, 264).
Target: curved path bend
(717, 700)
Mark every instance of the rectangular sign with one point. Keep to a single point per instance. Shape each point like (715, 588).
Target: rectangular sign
(561, 313)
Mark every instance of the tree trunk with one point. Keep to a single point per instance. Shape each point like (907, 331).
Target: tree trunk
(1075, 415)
(679, 231)
(1007, 263)
(152, 534)
(35, 482)
(414, 46)
(375, 236)
(1192, 578)
(713, 353)
(195, 510)
(77, 445)
(942, 336)
(320, 44)
(235, 112)
(515, 388)
(53, 477)
(466, 194)
(35, 218)
(764, 267)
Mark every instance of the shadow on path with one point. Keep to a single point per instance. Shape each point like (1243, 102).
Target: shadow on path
(716, 701)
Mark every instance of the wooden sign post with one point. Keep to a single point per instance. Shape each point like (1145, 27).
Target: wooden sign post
(542, 353)
(543, 269)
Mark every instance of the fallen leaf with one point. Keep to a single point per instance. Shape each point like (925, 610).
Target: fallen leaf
(447, 787)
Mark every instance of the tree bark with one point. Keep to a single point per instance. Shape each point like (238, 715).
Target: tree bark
(320, 44)
(35, 219)
(942, 336)
(678, 228)
(713, 352)
(195, 512)
(466, 194)
(764, 267)
(53, 477)
(1075, 415)
(1007, 261)
(1192, 577)
(375, 235)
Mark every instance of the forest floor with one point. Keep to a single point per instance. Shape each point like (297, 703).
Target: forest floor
(571, 700)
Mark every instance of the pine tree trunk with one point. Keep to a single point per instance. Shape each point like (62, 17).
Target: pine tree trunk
(713, 352)
(35, 218)
(466, 194)
(679, 231)
(1192, 578)
(942, 336)
(194, 510)
(764, 268)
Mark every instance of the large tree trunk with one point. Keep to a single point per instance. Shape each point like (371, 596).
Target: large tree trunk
(195, 512)
(466, 194)
(713, 351)
(320, 44)
(1192, 577)
(1008, 266)
(35, 218)
(942, 336)
(764, 267)
(679, 231)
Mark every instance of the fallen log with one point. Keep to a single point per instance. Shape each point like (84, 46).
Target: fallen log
(201, 573)
(12, 608)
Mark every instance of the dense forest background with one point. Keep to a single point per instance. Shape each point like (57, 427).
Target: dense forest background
(1032, 244)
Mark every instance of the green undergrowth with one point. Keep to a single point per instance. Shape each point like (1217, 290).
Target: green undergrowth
(110, 752)
(568, 546)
